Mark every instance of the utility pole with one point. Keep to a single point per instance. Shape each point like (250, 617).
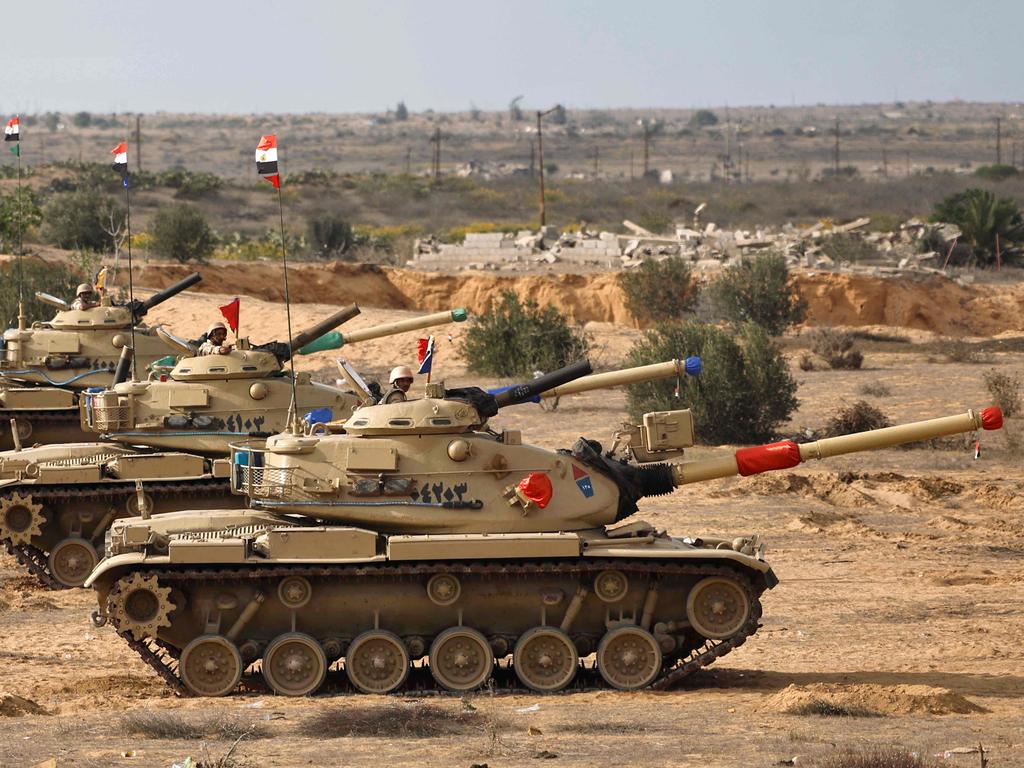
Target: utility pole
(835, 162)
(632, 172)
(999, 141)
(408, 160)
(597, 159)
(647, 147)
(533, 159)
(540, 163)
(908, 163)
(885, 163)
(436, 159)
(138, 141)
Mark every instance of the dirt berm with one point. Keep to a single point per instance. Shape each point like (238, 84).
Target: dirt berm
(928, 304)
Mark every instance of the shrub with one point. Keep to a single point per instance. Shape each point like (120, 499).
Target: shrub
(876, 758)
(19, 213)
(401, 112)
(659, 290)
(758, 290)
(80, 219)
(836, 348)
(744, 393)
(960, 351)
(874, 389)
(190, 184)
(703, 117)
(996, 172)
(517, 338)
(54, 278)
(859, 417)
(180, 232)
(983, 219)
(329, 235)
(1005, 391)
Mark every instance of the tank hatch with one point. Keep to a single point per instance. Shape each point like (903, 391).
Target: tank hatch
(237, 364)
(415, 417)
(96, 317)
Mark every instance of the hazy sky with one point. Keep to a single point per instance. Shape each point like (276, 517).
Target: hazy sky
(343, 56)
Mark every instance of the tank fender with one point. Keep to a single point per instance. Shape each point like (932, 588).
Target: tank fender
(110, 567)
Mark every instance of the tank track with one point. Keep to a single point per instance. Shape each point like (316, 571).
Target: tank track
(35, 560)
(52, 415)
(163, 658)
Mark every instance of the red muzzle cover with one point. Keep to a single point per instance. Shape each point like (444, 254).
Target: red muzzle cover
(991, 418)
(764, 458)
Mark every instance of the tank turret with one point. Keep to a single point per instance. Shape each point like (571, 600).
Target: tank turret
(422, 533)
(206, 402)
(45, 366)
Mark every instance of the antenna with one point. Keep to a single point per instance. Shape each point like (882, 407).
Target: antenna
(288, 311)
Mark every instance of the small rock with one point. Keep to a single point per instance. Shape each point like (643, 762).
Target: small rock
(534, 731)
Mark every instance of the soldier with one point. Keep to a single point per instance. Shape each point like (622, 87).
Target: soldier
(400, 381)
(85, 297)
(216, 335)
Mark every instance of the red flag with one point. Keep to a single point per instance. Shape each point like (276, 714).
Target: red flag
(230, 312)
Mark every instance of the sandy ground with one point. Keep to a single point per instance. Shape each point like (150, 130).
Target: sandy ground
(900, 601)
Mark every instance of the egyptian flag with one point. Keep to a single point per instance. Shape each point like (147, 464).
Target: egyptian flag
(266, 160)
(425, 354)
(120, 153)
(12, 132)
(231, 312)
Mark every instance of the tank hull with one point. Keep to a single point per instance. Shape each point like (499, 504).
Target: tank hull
(465, 607)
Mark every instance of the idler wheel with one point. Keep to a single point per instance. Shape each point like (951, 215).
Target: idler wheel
(294, 664)
(717, 607)
(629, 658)
(21, 518)
(461, 659)
(138, 604)
(71, 561)
(377, 661)
(210, 666)
(545, 659)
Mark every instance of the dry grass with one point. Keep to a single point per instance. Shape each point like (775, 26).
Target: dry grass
(877, 758)
(153, 724)
(874, 389)
(412, 720)
(824, 708)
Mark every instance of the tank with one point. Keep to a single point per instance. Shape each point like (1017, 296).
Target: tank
(57, 502)
(46, 366)
(424, 542)
(204, 403)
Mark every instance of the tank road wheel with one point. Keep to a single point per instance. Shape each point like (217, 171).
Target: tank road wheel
(71, 561)
(138, 604)
(461, 659)
(294, 664)
(717, 607)
(377, 661)
(629, 658)
(210, 666)
(545, 659)
(21, 518)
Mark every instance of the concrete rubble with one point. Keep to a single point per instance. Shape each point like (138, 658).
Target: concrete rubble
(850, 247)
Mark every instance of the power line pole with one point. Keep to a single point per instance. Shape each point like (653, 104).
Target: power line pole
(540, 163)
(647, 148)
(999, 141)
(408, 160)
(885, 163)
(436, 159)
(597, 159)
(632, 172)
(835, 163)
(138, 142)
(533, 159)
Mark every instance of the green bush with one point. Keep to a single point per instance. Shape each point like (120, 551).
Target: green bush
(1005, 391)
(19, 214)
(983, 218)
(80, 220)
(996, 172)
(744, 393)
(329, 235)
(859, 417)
(189, 184)
(180, 232)
(836, 348)
(517, 338)
(703, 117)
(55, 278)
(660, 291)
(757, 290)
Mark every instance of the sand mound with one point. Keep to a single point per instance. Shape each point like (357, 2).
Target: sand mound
(1000, 497)
(935, 304)
(829, 487)
(868, 699)
(17, 706)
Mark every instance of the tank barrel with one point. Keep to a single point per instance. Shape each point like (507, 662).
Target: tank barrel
(337, 339)
(53, 301)
(520, 393)
(159, 298)
(787, 454)
(326, 325)
(691, 366)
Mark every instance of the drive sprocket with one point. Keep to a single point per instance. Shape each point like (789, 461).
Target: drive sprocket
(139, 605)
(21, 518)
